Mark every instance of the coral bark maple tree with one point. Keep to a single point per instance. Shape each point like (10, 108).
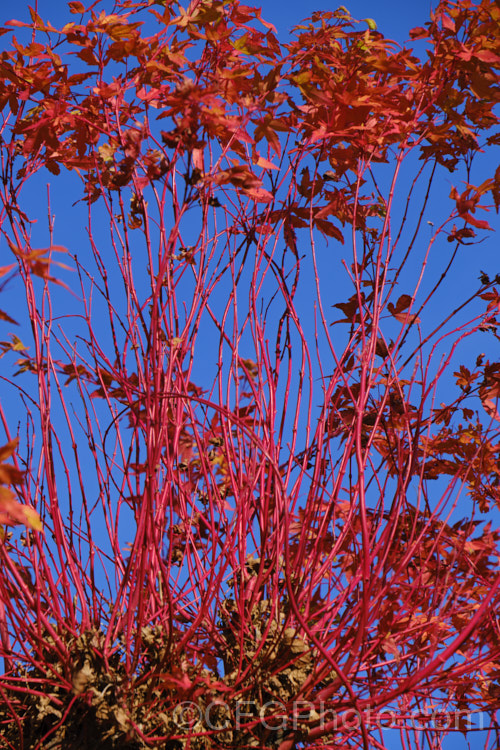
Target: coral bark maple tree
(256, 466)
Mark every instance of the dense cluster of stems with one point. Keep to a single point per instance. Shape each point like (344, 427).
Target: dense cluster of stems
(250, 470)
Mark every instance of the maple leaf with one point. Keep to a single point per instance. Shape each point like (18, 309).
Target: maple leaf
(12, 511)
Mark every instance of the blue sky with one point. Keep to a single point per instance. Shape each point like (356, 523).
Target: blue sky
(393, 18)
